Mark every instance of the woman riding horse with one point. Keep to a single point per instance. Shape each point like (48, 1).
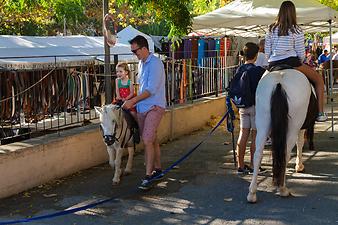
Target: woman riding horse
(282, 97)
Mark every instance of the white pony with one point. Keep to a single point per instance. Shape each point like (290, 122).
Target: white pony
(282, 101)
(117, 136)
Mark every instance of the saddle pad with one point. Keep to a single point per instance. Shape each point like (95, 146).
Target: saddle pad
(280, 67)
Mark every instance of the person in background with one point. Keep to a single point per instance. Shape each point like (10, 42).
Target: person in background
(310, 60)
(335, 56)
(150, 104)
(324, 57)
(261, 60)
(284, 44)
(318, 51)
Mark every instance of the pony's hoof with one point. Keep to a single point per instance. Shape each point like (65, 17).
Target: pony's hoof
(284, 192)
(252, 197)
(126, 172)
(116, 182)
(299, 169)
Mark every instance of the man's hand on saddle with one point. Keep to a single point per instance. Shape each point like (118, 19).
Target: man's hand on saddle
(129, 104)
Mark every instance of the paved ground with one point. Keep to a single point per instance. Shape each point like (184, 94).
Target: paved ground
(205, 189)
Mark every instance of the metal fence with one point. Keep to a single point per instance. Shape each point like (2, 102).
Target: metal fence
(39, 101)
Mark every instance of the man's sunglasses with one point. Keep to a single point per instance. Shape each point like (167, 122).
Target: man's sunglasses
(135, 50)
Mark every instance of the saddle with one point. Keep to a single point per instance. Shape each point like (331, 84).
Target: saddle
(131, 122)
(280, 67)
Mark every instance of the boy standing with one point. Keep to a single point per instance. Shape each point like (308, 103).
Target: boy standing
(247, 114)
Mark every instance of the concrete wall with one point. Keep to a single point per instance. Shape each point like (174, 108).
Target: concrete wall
(27, 164)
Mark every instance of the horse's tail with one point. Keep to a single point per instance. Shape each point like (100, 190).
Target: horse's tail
(279, 126)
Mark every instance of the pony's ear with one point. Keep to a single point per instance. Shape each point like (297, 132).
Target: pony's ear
(98, 109)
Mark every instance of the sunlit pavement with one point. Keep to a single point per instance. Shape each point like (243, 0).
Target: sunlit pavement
(205, 189)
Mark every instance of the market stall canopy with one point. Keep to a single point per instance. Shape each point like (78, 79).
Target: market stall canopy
(33, 52)
(251, 17)
(326, 40)
(129, 33)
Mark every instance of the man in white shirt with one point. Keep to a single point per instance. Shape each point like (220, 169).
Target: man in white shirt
(261, 60)
(335, 57)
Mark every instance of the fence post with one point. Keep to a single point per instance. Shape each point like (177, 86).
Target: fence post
(107, 71)
(190, 80)
(216, 73)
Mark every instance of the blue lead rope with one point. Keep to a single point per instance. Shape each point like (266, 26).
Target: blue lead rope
(229, 115)
(190, 151)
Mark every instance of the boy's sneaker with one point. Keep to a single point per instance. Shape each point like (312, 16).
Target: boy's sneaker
(145, 184)
(268, 141)
(322, 117)
(261, 170)
(241, 171)
(248, 169)
(157, 174)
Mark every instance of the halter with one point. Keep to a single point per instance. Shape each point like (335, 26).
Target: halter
(109, 139)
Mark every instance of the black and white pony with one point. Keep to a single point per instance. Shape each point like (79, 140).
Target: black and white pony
(118, 136)
(282, 103)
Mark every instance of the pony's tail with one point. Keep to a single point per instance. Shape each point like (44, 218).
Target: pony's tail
(279, 126)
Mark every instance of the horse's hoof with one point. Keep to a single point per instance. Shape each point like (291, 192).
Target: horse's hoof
(252, 197)
(299, 169)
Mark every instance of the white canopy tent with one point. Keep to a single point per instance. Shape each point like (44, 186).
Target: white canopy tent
(129, 33)
(326, 40)
(33, 52)
(251, 17)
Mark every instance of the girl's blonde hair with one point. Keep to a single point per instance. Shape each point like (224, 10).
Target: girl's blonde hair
(286, 20)
(124, 66)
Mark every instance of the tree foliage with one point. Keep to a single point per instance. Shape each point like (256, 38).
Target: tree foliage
(29, 17)
(331, 3)
(161, 17)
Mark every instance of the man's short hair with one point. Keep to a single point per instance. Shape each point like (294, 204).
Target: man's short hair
(250, 50)
(140, 41)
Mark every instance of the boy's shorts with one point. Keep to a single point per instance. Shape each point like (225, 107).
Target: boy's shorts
(247, 117)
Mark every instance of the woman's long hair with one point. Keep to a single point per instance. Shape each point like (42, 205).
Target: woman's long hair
(286, 20)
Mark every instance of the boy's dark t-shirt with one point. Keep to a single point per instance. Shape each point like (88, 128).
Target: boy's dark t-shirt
(254, 73)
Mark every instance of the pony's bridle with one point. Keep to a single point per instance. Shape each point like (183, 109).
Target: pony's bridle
(109, 139)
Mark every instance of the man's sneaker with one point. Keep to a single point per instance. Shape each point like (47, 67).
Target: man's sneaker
(157, 174)
(145, 184)
(322, 117)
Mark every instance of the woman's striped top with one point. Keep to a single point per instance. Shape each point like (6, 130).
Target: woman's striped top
(282, 47)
